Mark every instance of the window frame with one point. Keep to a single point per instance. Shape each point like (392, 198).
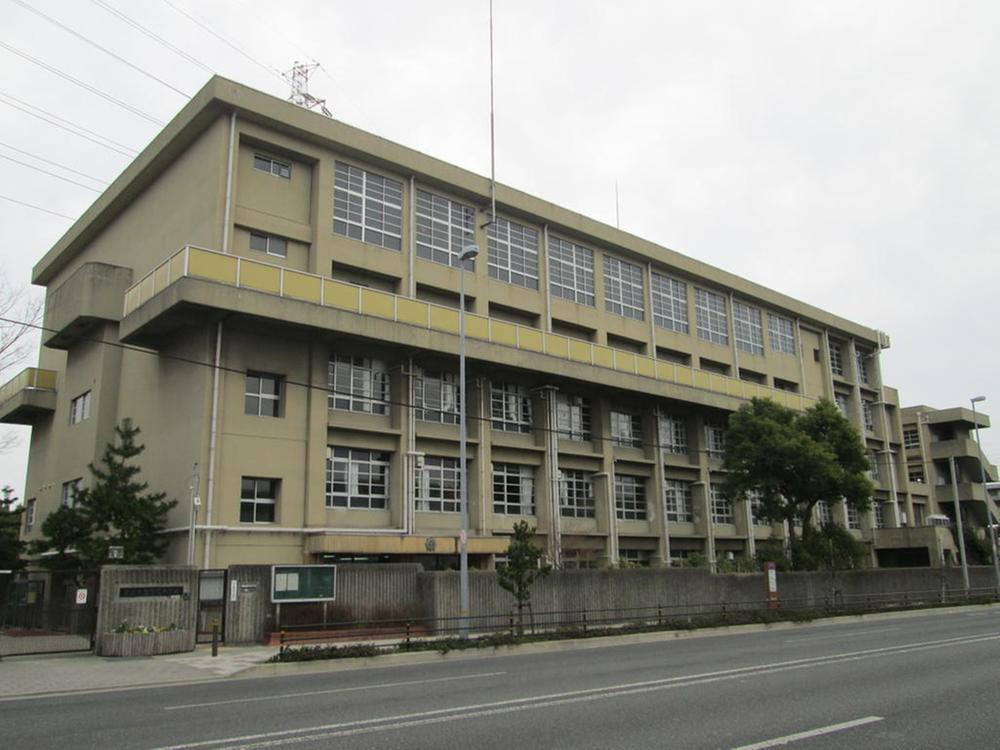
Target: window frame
(673, 434)
(512, 253)
(624, 288)
(626, 428)
(630, 497)
(670, 303)
(79, 408)
(513, 489)
(276, 398)
(715, 440)
(711, 322)
(275, 167)
(576, 494)
(448, 485)
(510, 408)
(268, 239)
(678, 500)
(258, 501)
(748, 328)
(70, 492)
(720, 506)
(363, 469)
(782, 341)
(571, 271)
(437, 216)
(372, 214)
(367, 389)
(576, 410)
(446, 384)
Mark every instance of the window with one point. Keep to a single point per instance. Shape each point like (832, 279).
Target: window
(866, 412)
(577, 494)
(258, 497)
(670, 303)
(841, 401)
(367, 206)
(630, 497)
(79, 408)
(626, 429)
(748, 329)
(673, 434)
(879, 515)
(436, 397)
(853, 521)
(715, 439)
(438, 485)
(916, 474)
(757, 508)
(272, 166)
(29, 516)
(710, 315)
(358, 384)
(573, 417)
(911, 438)
(510, 407)
(861, 360)
(836, 360)
(513, 253)
(444, 228)
(70, 491)
(263, 395)
(873, 460)
(623, 293)
(513, 489)
(824, 511)
(677, 501)
(268, 243)
(357, 478)
(722, 507)
(635, 557)
(571, 271)
(782, 332)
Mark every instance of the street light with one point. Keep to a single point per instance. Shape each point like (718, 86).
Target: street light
(986, 494)
(469, 252)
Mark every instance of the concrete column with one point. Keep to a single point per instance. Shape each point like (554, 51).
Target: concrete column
(316, 432)
(656, 495)
(550, 495)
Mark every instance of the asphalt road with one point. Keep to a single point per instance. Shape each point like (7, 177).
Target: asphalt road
(909, 682)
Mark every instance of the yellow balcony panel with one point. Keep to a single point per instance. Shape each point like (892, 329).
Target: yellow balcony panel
(444, 319)
(603, 356)
(378, 304)
(213, 266)
(702, 379)
(683, 375)
(339, 294)
(302, 286)
(645, 366)
(131, 299)
(794, 401)
(477, 327)
(529, 338)
(260, 276)
(735, 387)
(580, 351)
(666, 371)
(161, 277)
(625, 361)
(413, 312)
(503, 333)
(28, 396)
(176, 267)
(147, 288)
(556, 345)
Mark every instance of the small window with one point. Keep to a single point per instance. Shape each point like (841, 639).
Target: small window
(263, 395)
(272, 166)
(70, 492)
(79, 408)
(29, 515)
(268, 243)
(258, 499)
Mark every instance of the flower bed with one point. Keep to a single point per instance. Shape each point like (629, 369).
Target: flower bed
(145, 640)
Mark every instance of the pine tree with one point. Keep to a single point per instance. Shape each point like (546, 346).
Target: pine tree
(11, 546)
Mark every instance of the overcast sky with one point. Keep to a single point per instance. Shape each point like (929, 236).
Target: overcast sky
(844, 153)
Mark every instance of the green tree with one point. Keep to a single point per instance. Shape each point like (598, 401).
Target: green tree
(522, 569)
(116, 510)
(795, 460)
(11, 546)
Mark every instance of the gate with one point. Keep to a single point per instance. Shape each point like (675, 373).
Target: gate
(49, 613)
(211, 603)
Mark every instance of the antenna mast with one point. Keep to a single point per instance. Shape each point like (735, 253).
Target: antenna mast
(298, 79)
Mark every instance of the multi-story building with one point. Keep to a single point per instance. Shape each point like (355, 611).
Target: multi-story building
(272, 295)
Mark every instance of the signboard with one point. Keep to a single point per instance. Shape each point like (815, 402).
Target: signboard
(772, 585)
(303, 583)
(81, 596)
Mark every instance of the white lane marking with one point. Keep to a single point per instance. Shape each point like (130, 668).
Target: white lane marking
(456, 713)
(789, 738)
(279, 696)
(848, 634)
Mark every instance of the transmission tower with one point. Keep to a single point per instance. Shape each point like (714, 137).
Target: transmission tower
(298, 78)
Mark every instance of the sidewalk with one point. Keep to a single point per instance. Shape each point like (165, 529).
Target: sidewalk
(52, 674)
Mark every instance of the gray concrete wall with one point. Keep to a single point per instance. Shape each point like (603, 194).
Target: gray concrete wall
(151, 608)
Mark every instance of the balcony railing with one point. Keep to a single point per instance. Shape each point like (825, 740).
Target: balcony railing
(244, 273)
(29, 378)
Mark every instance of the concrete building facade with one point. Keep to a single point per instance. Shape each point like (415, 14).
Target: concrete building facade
(271, 296)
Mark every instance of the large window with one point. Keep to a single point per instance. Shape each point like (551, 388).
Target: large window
(623, 293)
(436, 397)
(853, 521)
(722, 507)
(715, 439)
(757, 508)
(438, 485)
(861, 359)
(70, 490)
(513, 489)
(782, 331)
(673, 434)
(873, 460)
(269, 244)
(748, 329)
(911, 438)
(670, 303)
(630, 497)
(510, 407)
(571, 271)
(79, 408)
(577, 494)
(868, 413)
(626, 429)
(710, 315)
(358, 384)
(258, 499)
(879, 515)
(356, 478)
(841, 401)
(677, 501)
(513, 253)
(573, 417)
(836, 357)
(29, 515)
(367, 206)
(262, 397)
(824, 512)
(444, 228)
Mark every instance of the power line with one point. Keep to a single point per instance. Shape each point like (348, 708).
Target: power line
(103, 49)
(50, 174)
(121, 148)
(37, 208)
(53, 163)
(151, 34)
(82, 84)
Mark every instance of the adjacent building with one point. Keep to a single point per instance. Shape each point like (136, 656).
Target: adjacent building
(272, 296)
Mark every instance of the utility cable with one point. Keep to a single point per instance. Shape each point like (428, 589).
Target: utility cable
(50, 174)
(53, 163)
(37, 208)
(68, 127)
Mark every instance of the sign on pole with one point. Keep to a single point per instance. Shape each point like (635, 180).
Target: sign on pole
(303, 583)
(772, 585)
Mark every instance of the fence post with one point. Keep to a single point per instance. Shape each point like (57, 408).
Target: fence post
(407, 632)
(583, 614)
(215, 638)
(659, 615)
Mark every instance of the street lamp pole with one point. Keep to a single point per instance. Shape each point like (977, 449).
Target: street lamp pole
(990, 527)
(469, 252)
